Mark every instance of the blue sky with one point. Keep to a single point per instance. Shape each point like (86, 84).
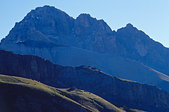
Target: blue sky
(151, 16)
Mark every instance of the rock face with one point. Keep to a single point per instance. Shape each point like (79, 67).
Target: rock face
(117, 91)
(140, 47)
(127, 53)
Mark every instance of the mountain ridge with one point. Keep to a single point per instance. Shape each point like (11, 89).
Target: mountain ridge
(117, 91)
(25, 92)
(54, 35)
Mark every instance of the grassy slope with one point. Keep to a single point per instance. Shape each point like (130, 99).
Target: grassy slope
(25, 95)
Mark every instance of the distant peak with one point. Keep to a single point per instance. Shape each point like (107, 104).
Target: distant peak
(129, 25)
(45, 12)
(48, 8)
(129, 28)
(84, 15)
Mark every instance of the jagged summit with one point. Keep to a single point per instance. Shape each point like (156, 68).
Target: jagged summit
(41, 24)
(86, 25)
(128, 28)
(54, 35)
(128, 53)
(48, 7)
(84, 15)
(41, 14)
(51, 25)
(46, 10)
(129, 25)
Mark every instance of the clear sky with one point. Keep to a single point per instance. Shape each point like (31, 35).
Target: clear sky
(151, 16)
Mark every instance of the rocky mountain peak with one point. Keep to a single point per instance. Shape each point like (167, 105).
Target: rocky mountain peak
(85, 20)
(45, 11)
(46, 25)
(50, 20)
(129, 28)
(84, 16)
(129, 25)
(131, 33)
(87, 25)
(40, 24)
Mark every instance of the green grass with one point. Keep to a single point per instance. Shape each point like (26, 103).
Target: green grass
(89, 100)
(16, 91)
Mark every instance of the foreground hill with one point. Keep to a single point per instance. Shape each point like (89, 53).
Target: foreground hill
(25, 95)
(127, 53)
(117, 91)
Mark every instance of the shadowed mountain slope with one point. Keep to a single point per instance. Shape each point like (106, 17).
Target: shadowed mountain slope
(25, 95)
(117, 91)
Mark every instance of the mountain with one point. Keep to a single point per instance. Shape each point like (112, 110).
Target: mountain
(25, 95)
(126, 53)
(120, 92)
(140, 47)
